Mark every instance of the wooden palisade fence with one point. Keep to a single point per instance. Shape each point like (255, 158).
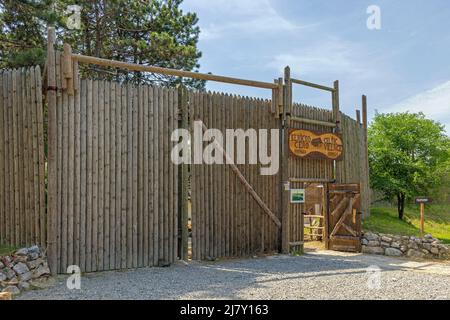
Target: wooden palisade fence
(115, 199)
(22, 162)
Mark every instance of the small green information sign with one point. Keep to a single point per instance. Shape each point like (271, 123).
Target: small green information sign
(297, 195)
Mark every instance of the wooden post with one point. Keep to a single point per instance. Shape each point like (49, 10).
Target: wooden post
(364, 112)
(422, 219)
(366, 154)
(358, 116)
(52, 144)
(335, 105)
(68, 82)
(184, 177)
(287, 102)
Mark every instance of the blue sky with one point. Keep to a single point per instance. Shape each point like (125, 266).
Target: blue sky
(403, 66)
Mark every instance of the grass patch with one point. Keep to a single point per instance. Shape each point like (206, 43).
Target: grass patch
(6, 250)
(385, 220)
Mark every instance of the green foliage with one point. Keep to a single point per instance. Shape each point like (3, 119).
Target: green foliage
(384, 220)
(6, 250)
(407, 155)
(147, 32)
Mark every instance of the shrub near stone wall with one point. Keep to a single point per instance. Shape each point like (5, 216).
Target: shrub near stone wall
(24, 269)
(392, 245)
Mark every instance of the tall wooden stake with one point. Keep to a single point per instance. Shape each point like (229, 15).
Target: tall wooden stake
(366, 150)
(422, 219)
(184, 176)
(287, 104)
(52, 175)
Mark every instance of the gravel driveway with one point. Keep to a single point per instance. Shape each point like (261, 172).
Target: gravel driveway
(315, 275)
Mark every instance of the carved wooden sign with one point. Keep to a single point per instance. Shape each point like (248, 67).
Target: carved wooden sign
(316, 145)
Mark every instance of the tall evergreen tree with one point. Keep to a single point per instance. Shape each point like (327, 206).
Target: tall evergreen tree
(149, 32)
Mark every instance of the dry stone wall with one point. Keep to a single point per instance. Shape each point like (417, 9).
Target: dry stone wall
(409, 246)
(25, 269)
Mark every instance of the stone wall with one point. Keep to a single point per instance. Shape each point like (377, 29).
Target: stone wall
(391, 245)
(25, 269)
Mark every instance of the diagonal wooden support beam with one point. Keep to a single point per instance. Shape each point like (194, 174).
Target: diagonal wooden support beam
(244, 181)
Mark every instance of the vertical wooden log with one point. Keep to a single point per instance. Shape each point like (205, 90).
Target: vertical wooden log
(156, 169)
(83, 172)
(118, 174)
(358, 117)
(140, 177)
(113, 178)
(106, 183)
(151, 175)
(184, 173)
(285, 207)
(166, 177)
(52, 173)
(70, 178)
(89, 174)
(2, 162)
(77, 160)
(129, 187)
(174, 114)
(10, 159)
(134, 190)
(27, 105)
(366, 157)
(145, 177)
(101, 174)
(95, 174)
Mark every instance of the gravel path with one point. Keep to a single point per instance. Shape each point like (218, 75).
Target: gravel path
(315, 275)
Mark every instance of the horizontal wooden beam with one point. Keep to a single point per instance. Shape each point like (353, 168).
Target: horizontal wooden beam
(296, 243)
(311, 180)
(312, 121)
(313, 216)
(312, 85)
(172, 72)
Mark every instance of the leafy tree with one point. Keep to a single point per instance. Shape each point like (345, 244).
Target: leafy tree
(406, 155)
(149, 32)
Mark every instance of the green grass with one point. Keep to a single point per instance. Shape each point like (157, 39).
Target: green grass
(385, 220)
(6, 250)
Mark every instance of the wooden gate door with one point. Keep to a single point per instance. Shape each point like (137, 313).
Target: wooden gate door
(344, 217)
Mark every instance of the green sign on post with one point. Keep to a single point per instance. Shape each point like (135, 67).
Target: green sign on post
(297, 195)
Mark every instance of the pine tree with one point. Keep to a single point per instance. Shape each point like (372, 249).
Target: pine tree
(147, 32)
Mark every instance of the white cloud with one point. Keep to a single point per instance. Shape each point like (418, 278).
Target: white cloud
(240, 17)
(329, 56)
(434, 103)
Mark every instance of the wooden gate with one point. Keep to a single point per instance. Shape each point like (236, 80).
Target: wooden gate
(344, 217)
(234, 208)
